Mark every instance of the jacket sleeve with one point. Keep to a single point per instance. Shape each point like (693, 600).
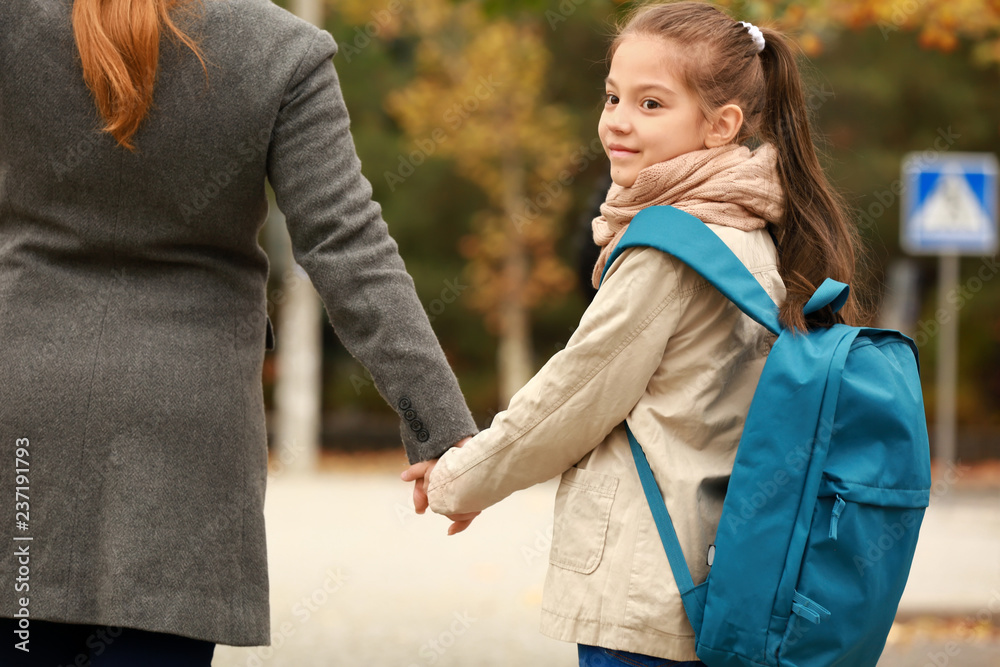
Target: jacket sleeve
(581, 394)
(339, 238)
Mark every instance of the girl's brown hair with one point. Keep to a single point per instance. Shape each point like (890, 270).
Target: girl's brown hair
(119, 44)
(720, 65)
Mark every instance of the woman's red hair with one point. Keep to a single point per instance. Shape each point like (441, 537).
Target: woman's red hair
(119, 44)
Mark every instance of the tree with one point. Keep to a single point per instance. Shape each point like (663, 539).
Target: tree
(879, 84)
(478, 98)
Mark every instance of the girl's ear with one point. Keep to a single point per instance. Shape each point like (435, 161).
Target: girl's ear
(725, 126)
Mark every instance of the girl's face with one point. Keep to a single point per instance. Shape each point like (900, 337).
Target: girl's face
(649, 115)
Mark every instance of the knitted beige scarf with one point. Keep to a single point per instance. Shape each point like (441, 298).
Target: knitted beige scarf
(728, 185)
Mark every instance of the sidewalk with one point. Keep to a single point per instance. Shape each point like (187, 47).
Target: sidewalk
(358, 579)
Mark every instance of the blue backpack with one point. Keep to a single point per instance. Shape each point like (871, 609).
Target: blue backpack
(829, 486)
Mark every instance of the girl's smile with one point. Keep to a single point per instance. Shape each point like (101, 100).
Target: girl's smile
(620, 152)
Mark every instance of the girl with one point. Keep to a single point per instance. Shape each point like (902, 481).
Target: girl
(688, 88)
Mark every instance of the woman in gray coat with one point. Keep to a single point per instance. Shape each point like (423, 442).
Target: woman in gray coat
(133, 319)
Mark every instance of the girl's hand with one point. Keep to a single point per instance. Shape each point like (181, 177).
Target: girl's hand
(419, 474)
(460, 522)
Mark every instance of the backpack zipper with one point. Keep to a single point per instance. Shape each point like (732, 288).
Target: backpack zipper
(838, 507)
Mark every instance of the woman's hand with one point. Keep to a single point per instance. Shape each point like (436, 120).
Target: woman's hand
(419, 474)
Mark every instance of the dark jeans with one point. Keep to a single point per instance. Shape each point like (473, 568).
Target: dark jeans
(595, 656)
(72, 645)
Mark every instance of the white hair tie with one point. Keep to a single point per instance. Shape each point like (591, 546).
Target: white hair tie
(755, 34)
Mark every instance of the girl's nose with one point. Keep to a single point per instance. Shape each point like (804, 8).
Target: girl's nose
(617, 121)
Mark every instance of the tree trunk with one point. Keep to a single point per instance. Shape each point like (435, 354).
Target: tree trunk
(298, 354)
(514, 353)
(310, 10)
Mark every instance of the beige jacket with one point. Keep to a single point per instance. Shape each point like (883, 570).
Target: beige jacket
(662, 348)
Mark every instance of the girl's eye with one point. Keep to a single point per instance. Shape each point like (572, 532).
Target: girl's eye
(611, 98)
(650, 104)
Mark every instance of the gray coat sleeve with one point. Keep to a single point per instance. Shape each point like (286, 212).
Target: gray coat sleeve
(339, 238)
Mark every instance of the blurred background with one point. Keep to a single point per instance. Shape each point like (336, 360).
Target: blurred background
(476, 124)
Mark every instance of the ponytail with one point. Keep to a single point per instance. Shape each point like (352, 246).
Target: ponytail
(119, 45)
(815, 240)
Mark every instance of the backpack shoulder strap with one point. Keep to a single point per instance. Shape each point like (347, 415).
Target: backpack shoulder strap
(688, 239)
(661, 517)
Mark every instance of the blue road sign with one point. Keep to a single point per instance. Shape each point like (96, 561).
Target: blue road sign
(949, 204)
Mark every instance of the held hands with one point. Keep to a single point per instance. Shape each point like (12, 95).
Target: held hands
(419, 474)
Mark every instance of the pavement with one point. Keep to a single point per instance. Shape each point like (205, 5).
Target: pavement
(357, 578)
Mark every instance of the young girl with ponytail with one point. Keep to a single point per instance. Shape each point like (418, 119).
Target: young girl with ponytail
(689, 91)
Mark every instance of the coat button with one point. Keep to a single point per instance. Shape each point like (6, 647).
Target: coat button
(423, 436)
(416, 425)
(410, 415)
(404, 403)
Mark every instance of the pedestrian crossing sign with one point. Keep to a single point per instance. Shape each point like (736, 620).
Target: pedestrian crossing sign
(949, 204)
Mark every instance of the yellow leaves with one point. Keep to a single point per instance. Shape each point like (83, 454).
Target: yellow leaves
(494, 241)
(430, 16)
(356, 12)
(383, 21)
(811, 44)
(481, 88)
(940, 23)
(922, 629)
(937, 37)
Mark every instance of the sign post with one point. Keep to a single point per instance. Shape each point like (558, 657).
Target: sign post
(949, 210)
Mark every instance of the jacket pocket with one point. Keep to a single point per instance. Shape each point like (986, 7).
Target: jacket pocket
(582, 513)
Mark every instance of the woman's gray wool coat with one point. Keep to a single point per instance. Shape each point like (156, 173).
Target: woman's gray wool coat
(133, 319)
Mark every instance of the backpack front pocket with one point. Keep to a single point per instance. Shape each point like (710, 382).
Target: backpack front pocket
(582, 512)
(853, 573)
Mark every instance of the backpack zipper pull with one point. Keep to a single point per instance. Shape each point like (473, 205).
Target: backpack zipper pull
(838, 507)
(808, 609)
